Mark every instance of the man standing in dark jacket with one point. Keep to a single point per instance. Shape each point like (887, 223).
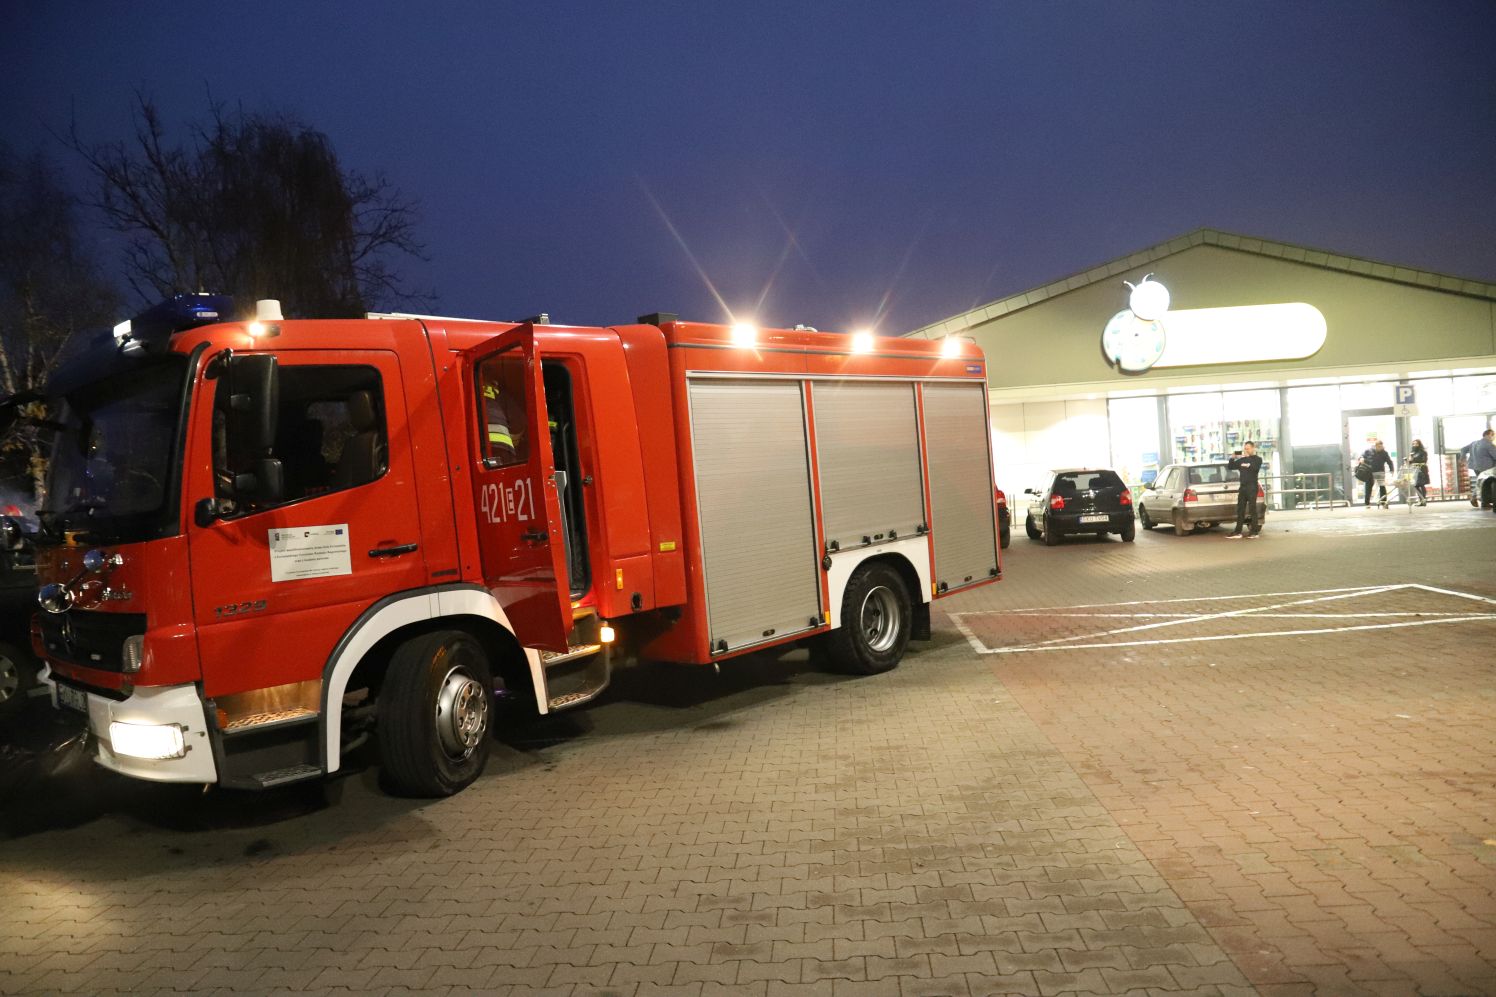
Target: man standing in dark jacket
(1246, 463)
(1380, 462)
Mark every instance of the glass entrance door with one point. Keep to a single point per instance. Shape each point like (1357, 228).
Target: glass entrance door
(1362, 430)
(1455, 433)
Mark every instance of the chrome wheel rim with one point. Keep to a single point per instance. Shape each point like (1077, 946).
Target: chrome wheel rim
(461, 714)
(879, 619)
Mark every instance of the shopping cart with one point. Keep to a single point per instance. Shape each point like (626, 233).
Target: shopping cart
(1407, 484)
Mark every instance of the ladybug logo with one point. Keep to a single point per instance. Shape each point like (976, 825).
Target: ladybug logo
(1134, 338)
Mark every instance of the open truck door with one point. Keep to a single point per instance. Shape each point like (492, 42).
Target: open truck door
(521, 533)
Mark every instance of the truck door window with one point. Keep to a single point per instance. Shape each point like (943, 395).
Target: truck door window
(501, 390)
(331, 432)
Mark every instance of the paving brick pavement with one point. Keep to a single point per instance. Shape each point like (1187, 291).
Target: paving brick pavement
(1323, 803)
(1082, 821)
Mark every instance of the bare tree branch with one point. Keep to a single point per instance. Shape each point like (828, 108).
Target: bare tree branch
(254, 206)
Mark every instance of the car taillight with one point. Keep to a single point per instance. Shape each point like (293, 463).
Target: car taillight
(1126, 497)
(1260, 492)
(1190, 496)
(1057, 502)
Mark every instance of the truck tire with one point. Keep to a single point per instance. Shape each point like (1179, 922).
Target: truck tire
(17, 675)
(876, 616)
(433, 714)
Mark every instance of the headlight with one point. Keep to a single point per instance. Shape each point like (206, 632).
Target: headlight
(157, 741)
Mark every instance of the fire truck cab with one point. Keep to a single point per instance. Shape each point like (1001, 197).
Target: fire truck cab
(263, 541)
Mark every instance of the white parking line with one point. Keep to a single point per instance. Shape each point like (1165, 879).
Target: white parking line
(1168, 619)
(1208, 598)
(1296, 616)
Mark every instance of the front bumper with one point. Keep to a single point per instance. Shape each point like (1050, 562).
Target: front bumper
(179, 705)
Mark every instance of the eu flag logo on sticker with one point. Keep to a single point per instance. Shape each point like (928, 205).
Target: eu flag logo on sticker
(973, 368)
(337, 532)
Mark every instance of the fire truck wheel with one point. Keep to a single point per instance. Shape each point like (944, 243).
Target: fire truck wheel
(434, 710)
(876, 615)
(16, 676)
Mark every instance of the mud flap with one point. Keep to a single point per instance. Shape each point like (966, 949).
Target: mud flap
(920, 629)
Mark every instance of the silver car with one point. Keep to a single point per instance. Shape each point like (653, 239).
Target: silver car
(1193, 497)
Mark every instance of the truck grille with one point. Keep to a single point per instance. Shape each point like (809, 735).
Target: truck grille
(92, 640)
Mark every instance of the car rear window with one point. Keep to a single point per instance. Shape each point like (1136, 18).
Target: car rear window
(1213, 474)
(1076, 482)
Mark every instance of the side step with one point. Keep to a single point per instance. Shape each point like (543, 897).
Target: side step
(577, 676)
(289, 774)
(574, 653)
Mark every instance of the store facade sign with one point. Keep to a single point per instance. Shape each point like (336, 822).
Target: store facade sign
(1136, 341)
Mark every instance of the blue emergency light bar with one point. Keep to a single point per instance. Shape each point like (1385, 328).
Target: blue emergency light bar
(154, 326)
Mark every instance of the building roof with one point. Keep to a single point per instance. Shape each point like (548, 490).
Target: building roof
(1209, 237)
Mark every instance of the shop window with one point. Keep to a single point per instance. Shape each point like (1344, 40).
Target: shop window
(1251, 415)
(1372, 395)
(1134, 432)
(1314, 416)
(1474, 394)
(1195, 427)
(1435, 396)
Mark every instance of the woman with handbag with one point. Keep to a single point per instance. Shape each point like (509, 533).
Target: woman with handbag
(1418, 458)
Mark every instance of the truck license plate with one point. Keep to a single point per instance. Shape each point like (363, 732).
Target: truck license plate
(73, 699)
(1094, 519)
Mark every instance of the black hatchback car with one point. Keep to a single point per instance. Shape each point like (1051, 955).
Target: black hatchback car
(1080, 500)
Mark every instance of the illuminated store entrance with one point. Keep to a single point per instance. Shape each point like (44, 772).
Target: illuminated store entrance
(1363, 428)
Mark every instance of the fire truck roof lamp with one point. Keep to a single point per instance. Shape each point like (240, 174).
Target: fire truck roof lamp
(744, 335)
(951, 347)
(862, 342)
(154, 326)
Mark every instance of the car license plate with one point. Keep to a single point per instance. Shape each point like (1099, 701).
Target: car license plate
(1094, 519)
(73, 699)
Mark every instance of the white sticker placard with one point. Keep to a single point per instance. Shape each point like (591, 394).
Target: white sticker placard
(298, 552)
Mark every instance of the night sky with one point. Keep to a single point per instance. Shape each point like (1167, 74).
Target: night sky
(840, 165)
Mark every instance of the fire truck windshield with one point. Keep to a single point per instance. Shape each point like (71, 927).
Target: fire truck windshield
(113, 456)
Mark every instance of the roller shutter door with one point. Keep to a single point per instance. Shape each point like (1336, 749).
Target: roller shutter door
(867, 447)
(754, 501)
(963, 521)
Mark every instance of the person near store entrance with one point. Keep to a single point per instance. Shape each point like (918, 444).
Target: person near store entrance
(1479, 456)
(1379, 460)
(1246, 463)
(1418, 461)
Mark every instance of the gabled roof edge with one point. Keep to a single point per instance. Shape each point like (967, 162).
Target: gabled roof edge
(1208, 237)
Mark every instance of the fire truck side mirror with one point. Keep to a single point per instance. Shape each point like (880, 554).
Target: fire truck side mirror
(254, 402)
(266, 482)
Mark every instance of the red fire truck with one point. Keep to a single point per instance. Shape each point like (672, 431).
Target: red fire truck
(264, 540)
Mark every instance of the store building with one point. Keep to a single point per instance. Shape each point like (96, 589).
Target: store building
(1310, 397)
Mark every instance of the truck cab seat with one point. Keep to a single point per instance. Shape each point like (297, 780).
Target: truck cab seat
(363, 456)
